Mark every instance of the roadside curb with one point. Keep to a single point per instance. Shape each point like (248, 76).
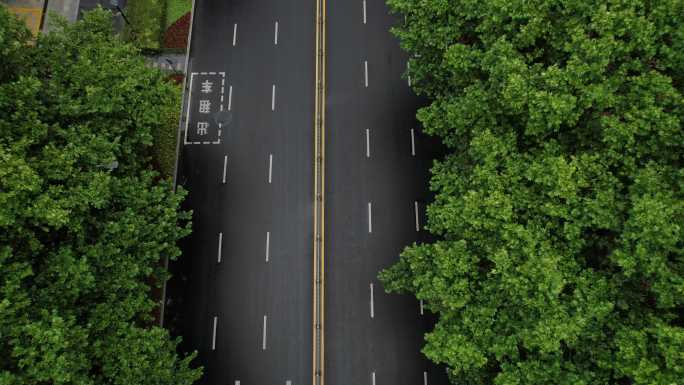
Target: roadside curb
(178, 145)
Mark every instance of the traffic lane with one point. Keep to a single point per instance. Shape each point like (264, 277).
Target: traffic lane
(197, 307)
(239, 324)
(405, 199)
(254, 133)
(262, 119)
(241, 284)
(348, 339)
(346, 232)
(290, 252)
(348, 64)
(411, 155)
(207, 275)
(291, 130)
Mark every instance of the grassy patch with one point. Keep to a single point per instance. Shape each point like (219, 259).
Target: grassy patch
(175, 9)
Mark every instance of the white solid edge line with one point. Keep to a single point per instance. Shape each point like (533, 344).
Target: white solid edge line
(372, 303)
(415, 205)
(413, 143)
(263, 337)
(275, 40)
(421, 307)
(187, 111)
(373, 378)
(234, 42)
(425, 382)
(213, 336)
(225, 167)
(270, 167)
(364, 11)
(268, 244)
(365, 71)
(273, 98)
(370, 218)
(230, 97)
(367, 143)
(220, 244)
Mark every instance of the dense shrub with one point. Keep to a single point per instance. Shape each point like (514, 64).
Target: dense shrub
(559, 210)
(147, 21)
(85, 222)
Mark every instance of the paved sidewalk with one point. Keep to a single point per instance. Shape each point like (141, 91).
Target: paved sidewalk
(66, 8)
(174, 62)
(32, 11)
(73, 10)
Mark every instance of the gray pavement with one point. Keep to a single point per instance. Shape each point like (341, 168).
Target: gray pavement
(68, 9)
(249, 318)
(168, 62)
(72, 10)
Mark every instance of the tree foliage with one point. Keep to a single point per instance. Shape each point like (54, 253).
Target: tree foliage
(81, 241)
(559, 210)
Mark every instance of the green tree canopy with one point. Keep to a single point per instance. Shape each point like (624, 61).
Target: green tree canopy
(558, 211)
(81, 242)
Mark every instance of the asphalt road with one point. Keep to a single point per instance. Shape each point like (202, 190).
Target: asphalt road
(263, 309)
(250, 318)
(377, 165)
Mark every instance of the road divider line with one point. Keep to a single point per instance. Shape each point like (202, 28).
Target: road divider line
(268, 244)
(288, 382)
(237, 382)
(220, 244)
(275, 39)
(421, 307)
(367, 143)
(273, 98)
(373, 378)
(263, 336)
(372, 302)
(225, 167)
(425, 382)
(370, 218)
(230, 97)
(234, 42)
(365, 72)
(413, 143)
(213, 334)
(408, 72)
(318, 324)
(270, 168)
(364, 11)
(415, 206)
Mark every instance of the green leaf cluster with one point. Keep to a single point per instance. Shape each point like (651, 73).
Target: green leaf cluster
(558, 211)
(147, 23)
(81, 241)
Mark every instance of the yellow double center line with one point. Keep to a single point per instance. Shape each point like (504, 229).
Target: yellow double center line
(319, 197)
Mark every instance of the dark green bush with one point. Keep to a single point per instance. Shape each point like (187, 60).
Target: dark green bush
(559, 209)
(82, 238)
